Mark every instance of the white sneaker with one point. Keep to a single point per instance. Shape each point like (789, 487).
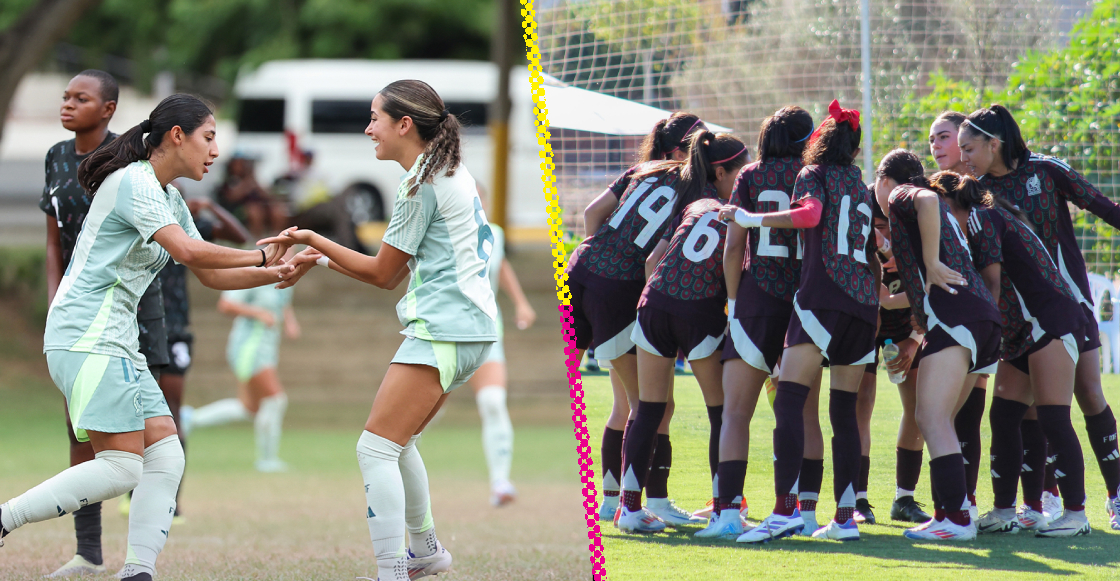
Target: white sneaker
(973, 512)
(997, 521)
(641, 521)
(1030, 519)
(775, 526)
(671, 514)
(1112, 505)
(272, 466)
(835, 531)
(607, 508)
(434, 564)
(728, 525)
(502, 494)
(1070, 523)
(1051, 506)
(810, 518)
(79, 565)
(942, 530)
(707, 512)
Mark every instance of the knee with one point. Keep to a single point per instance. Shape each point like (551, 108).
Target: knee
(669, 407)
(166, 456)
(124, 470)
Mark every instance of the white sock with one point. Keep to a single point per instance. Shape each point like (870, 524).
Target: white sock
(861, 495)
(901, 492)
(378, 460)
(268, 425)
(110, 474)
(497, 432)
(220, 412)
(153, 504)
(417, 502)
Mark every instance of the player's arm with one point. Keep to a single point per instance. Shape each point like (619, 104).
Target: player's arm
(201, 255)
(656, 256)
(806, 215)
(929, 226)
(734, 250)
(291, 324)
(55, 268)
(507, 281)
(386, 269)
(991, 275)
(234, 308)
(892, 302)
(598, 211)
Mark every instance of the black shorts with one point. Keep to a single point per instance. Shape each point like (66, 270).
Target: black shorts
(981, 338)
(873, 367)
(664, 334)
(1090, 338)
(153, 342)
(1075, 343)
(179, 350)
(604, 316)
(842, 338)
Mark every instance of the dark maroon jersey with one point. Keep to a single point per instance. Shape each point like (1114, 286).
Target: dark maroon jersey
(773, 255)
(893, 323)
(973, 302)
(1033, 293)
(618, 251)
(622, 182)
(689, 278)
(1041, 187)
(835, 275)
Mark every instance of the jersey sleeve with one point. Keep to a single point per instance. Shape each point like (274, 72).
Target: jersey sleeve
(411, 217)
(1075, 188)
(148, 208)
(809, 184)
(902, 203)
(987, 243)
(619, 185)
(45, 203)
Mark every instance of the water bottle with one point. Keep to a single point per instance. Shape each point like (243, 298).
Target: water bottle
(890, 352)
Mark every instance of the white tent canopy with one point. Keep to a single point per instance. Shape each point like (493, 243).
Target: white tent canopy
(583, 110)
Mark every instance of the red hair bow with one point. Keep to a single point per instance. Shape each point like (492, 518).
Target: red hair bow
(840, 115)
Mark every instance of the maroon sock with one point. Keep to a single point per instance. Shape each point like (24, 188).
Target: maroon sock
(632, 500)
(967, 425)
(845, 447)
(1069, 463)
(785, 504)
(864, 473)
(1034, 463)
(657, 482)
(731, 476)
(807, 505)
(1102, 438)
(639, 447)
(844, 514)
(947, 472)
(789, 436)
(908, 468)
(1006, 449)
(612, 459)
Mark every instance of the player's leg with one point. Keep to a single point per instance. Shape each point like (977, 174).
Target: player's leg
(908, 457)
(656, 378)
(967, 424)
(811, 477)
(171, 383)
(612, 448)
(266, 394)
(865, 407)
(489, 385)
(1010, 402)
(88, 559)
(1101, 427)
(842, 413)
(1032, 513)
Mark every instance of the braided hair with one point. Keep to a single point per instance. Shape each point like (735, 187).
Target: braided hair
(435, 125)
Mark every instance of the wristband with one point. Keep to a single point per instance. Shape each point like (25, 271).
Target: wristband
(747, 219)
(264, 260)
(886, 247)
(917, 337)
(322, 261)
(730, 308)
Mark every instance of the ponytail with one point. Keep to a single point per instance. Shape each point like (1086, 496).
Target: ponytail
(435, 125)
(969, 193)
(669, 135)
(904, 167)
(785, 133)
(186, 112)
(707, 151)
(996, 122)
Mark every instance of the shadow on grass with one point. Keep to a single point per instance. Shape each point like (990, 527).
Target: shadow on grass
(1013, 553)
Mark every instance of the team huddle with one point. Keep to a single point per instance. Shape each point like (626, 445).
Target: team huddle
(762, 273)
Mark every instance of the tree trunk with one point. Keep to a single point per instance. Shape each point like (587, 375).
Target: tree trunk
(23, 45)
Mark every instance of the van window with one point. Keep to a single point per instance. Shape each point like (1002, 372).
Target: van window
(261, 116)
(336, 116)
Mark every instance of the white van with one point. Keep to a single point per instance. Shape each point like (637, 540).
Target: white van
(326, 104)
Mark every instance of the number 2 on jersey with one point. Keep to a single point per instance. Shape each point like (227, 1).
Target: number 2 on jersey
(654, 219)
(765, 246)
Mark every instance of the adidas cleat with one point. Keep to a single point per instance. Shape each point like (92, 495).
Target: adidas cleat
(671, 514)
(1051, 506)
(775, 526)
(810, 519)
(1070, 523)
(906, 509)
(998, 521)
(835, 531)
(640, 521)
(723, 527)
(608, 508)
(77, 566)
(503, 493)
(434, 564)
(1030, 519)
(1113, 507)
(942, 530)
(863, 512)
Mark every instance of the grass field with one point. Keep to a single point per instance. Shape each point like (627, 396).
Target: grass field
(881, 554)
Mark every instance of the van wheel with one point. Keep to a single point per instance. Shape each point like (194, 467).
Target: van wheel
(364, 204)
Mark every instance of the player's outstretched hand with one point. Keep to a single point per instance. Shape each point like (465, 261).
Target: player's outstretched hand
(525, 316)
(943, 276)
(278, 245)
(727, 213)
(297, 266)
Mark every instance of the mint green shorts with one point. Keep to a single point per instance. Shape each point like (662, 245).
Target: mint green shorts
(456, 362)
(105, 393)
(251, 353)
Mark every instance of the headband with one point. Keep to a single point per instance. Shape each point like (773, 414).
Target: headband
(443, 115)
(697, 122)
(146, 126)
(978, 128)
(804, 138)
(840, 115)
(730, 158)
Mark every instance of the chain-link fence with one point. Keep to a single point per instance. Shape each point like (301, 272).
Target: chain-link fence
(1054, 63)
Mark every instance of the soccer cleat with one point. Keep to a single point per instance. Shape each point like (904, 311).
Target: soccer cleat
(640, 521)
(997, 521)
(863, 512)
(434, 564)
(138, 577)
(503, 494)
(1030, 519)
(77, 566)
(608, 507)
(1051, 506)
(707, 511)
(834, 531)
(906, 509)
(942, 530)
(728, 525)
(272, 466)
(775, 526)
(1070, 523)
(671, 514)
(131, 573)
(973, 512)
(1113, 507)
(810, 519)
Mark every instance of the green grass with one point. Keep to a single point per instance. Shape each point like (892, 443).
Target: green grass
(882, 552)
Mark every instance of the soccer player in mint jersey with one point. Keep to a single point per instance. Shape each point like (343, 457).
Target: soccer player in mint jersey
(610, 327)
(88, 104)
(834, 316)
(1043, 326)
(761, 268)
(992, 146)
(135, 224)
(439, 233)
(681, 309)
(949, 300)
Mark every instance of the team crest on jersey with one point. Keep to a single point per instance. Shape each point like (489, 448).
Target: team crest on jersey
(1034, 186)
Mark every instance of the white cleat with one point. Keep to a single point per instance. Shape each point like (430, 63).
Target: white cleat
(728, 525)
(810, 518)
(973, 512)
(77, 566)
(272, 466)
(502, 494)
(835, 531)
(1051, 506)
(434, 564)
(1070, 523)
(1113, 507)
(707, 512)
(775, 526)
(942, 530)
(608, 507)
(641, 521)
(1031, 520)
(671, 514)
(998, 521)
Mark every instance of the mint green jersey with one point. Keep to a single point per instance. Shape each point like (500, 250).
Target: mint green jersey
(442, 226)
(114, 260)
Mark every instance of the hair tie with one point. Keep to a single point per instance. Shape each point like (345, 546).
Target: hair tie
(978, 128)
(730, 158)
(840, 115)
(804, 138)
(146, 126)
(443, 115)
